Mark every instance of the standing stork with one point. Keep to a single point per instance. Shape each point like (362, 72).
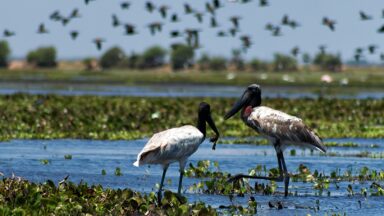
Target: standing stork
(278, 127)
(177, 144)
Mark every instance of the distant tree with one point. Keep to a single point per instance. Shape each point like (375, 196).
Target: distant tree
(5, 51)
(152, 57)
(258, 65)
(43, 57)
(217, 63)
(306, 58)
(112, 58)
(203, 62)
(283, 62)
(90, 64)
(237, 60)
(327, 61)
(182, 56)
(131, 61)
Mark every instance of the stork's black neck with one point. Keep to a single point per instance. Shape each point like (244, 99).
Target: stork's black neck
(201, 125)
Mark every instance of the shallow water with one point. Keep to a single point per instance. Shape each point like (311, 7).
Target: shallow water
(22, 158)
(173, 90)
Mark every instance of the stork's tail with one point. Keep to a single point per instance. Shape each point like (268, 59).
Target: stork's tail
(136, 164)
(318, 142)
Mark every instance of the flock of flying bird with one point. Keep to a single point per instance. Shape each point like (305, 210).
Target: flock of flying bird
(191, 35)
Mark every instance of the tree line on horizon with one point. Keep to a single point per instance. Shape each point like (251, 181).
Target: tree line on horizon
(180, 57)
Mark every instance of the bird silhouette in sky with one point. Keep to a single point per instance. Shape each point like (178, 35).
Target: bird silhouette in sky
(329, 23)
(8, 33)
(42, 29)
(99, 43)
(364, 16)
(125, 5)
(115, 20)
(74, 34)
(129, 29)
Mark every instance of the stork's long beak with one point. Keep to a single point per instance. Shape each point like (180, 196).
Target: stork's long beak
(211, 124)
(238, 105)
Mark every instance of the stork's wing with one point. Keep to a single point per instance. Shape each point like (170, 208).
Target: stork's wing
(170, 145)
(286, 128)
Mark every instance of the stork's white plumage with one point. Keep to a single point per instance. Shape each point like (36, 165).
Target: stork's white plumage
(280, 128)
(171, 145)
(177, 144)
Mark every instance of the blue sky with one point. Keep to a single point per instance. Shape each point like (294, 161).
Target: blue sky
(24, 16)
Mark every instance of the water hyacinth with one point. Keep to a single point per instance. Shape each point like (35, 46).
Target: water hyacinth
(21, 197)
(91, 117)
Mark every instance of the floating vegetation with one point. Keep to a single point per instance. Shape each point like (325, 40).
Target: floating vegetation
(215, 182)
(103, 172)
(44, 161)
(68, 157)
(118, 172)
(25, 116)
(21, 197)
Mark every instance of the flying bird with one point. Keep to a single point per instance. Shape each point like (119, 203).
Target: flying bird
(42, 29)
(175, 18)
(216, 4)
(177, 144)
(199, 17)
(187, 9)
(74, 34)
(235, 21)
(364, 16)
(276, 31)
(372, 48)
(214, 22)
(149, 6)
(330, 23)
(130, 29)
(115, 20)
(155, 27)
(8, 33)
(221, 34)
(99, 43)
(75, 14)
(87, 1)
(163, 10)
(295, 51)
(125, 5)
(246, 42)
(55, 16)
(263, 3)
(278, 127)
(175, 33)
(233, 31)
(381, 29)
(210, 8)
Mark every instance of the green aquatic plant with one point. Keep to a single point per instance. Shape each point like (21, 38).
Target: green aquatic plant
(25, 116)
(21, 197)
(118, 172)
(68, 157)
(45, 161)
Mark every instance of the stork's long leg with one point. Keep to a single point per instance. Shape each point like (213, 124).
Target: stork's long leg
(180, 180)
(161, 184)
(283, 172)
(286, 175)
(279, 179)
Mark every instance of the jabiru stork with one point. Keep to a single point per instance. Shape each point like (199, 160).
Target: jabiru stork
(177, 144)
(278, 127)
